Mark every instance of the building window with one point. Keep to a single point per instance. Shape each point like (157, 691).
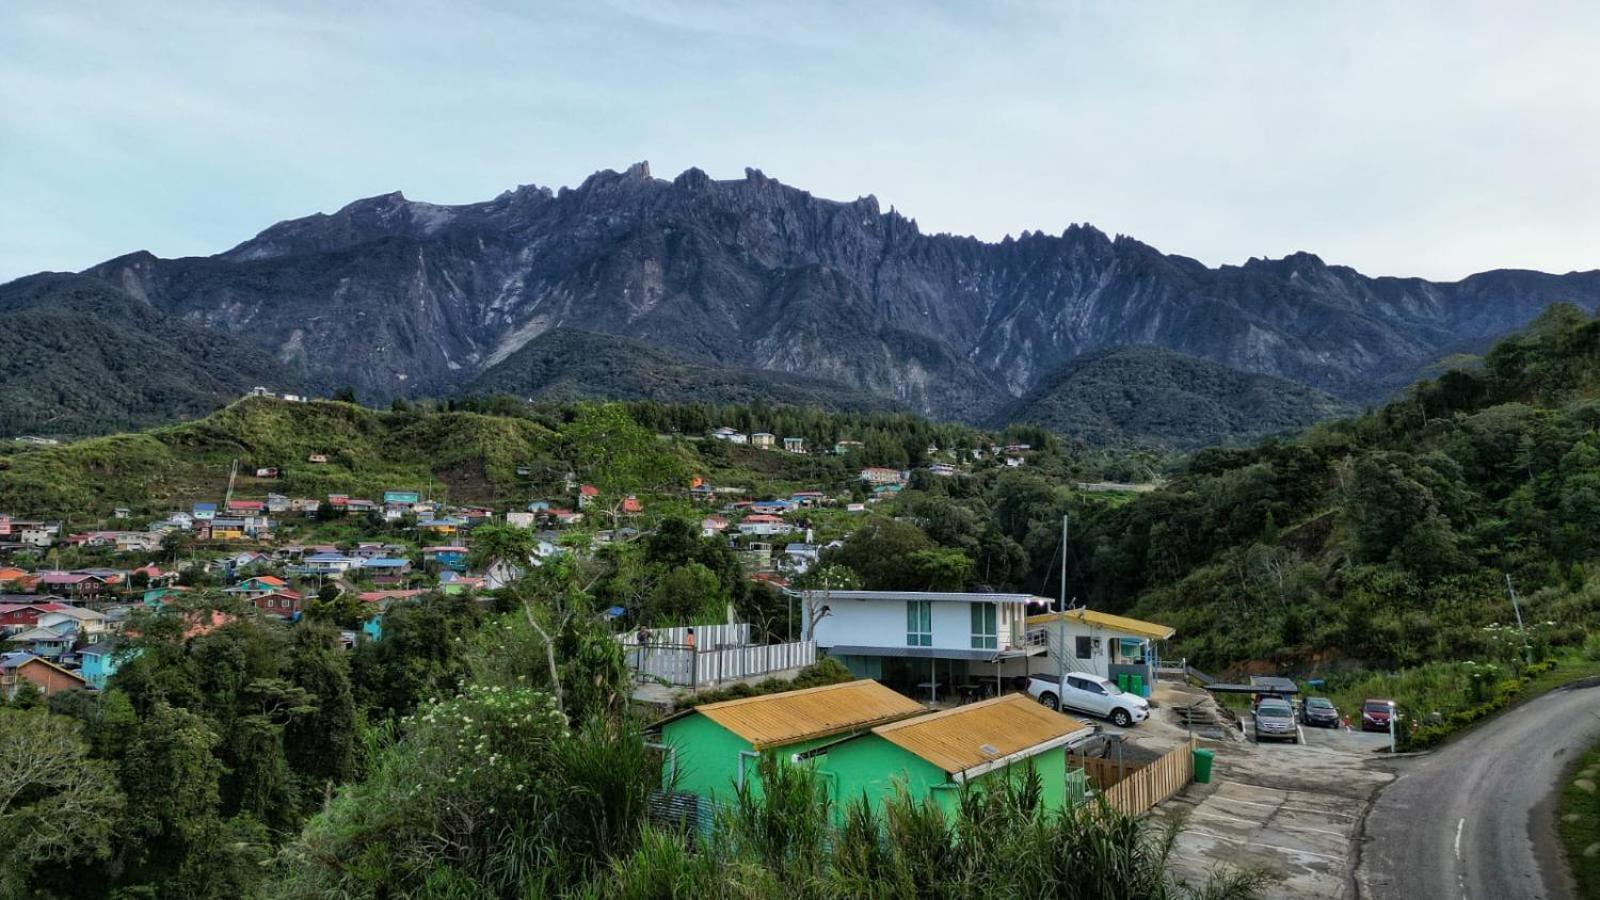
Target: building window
(985, 632)
(1085, 648)
(919, 623)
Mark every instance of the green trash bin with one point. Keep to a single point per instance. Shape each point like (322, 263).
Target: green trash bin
(1122, 681)
(1136, 683)
(1202, 765)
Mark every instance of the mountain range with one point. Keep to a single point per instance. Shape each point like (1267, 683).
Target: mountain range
(400, 298)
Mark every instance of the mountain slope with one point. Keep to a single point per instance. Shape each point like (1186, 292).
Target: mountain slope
(1149, 397)
(399, 297)
(79, 357)
(571, 364)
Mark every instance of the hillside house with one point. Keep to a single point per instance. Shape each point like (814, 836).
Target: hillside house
(762, 440)
(328, 564)
(794, 445)
(79, 587)
(44, 643)
(921, 641)
(19, 667)
(878, 475)
(100, 661)
(711, 526)
(317, 459)
(714, 746)
(204, 512)
(453, 557)
(731, 435)
(587, 494)
(257, 586)
(82, 627)
(27, 533)
(763, 525)
(1096, 642)
(284, 604)
(521, 519)
(403, 499)
(267, 472)
(933, 756)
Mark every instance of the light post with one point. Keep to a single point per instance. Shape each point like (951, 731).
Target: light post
(1394, 713)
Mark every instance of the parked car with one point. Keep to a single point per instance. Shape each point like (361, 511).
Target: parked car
(1375, 715)
(1320, 712)
(1091, 694)
(1275, 721)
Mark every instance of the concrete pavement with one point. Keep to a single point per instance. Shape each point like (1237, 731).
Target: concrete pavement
(1476, 819)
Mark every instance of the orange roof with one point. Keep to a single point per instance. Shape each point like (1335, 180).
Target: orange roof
(773, 720)
(269, 579)
(968, 736)
(10, 574)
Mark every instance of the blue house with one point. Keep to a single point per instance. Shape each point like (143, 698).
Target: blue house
(101, 660)
(388, 565)
(205, 510)
(453, 558)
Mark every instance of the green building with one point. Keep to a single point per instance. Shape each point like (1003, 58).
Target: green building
(713, 748)
(933, 755)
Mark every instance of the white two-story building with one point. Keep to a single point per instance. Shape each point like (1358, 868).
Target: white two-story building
(927, 644)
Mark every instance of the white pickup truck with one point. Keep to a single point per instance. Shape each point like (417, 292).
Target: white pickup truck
(1091, 694)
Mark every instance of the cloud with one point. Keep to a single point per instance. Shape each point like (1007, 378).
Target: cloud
(1426, 139)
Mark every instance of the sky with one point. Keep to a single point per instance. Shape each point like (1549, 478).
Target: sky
(1432, 139)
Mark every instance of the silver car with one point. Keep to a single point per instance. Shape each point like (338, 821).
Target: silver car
(1275, 720)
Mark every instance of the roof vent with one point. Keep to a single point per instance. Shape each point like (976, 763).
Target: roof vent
(988, 750)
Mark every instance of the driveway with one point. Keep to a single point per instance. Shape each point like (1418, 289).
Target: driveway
(1476, 819)
(1293, 810)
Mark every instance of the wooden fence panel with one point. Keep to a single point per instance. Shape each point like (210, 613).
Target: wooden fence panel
(1147, 786)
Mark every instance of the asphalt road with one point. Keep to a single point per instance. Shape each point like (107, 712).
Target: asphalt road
(1477, 818)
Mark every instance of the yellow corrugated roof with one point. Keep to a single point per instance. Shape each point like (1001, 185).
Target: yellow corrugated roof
(1107, 620)
(773, 720)
(965, 736)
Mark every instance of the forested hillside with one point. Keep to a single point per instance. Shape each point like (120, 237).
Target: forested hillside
(78, 356)
(1162, 399)
(1383, 539)
(569, 364)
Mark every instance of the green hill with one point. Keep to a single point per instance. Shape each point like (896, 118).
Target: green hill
(1383, 539)
(465, 456)
(80, 357)
(1160, 399)
(570, 364)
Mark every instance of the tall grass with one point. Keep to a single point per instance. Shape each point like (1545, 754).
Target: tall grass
(1000, 843)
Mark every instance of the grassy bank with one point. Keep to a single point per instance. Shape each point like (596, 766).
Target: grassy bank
(1440, 699)
(1580, 824)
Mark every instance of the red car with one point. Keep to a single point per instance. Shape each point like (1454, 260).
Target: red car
(1375, 715)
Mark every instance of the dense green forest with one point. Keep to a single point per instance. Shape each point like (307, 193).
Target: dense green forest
(80, 357)
(1160, 399)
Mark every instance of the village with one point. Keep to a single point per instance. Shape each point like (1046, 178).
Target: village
(927, 691)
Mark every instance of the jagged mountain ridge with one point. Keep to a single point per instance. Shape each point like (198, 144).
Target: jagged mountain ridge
(404, 298)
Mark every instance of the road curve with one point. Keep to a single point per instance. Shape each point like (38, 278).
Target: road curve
(1477, 818)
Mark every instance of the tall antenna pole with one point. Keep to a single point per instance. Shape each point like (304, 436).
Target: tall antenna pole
(1527, 649)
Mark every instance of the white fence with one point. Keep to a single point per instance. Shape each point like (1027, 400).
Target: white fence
(706, 637)
(713, 659)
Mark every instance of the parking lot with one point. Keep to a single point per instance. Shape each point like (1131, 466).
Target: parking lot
(1349, 740)
(1293, 809)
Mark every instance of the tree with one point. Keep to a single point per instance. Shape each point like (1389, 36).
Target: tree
(688, 594)
(617, 455)
(880, 552)
(171, 778)
(493, 544)
(57, 804)
(346, 394)
(321, 746)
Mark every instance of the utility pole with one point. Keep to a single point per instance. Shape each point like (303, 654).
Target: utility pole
(1061, 620)
(1527, 650)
